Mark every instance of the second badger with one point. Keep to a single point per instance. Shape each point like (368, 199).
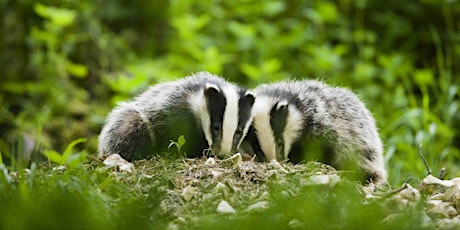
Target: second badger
(210, 112)
(309, 120)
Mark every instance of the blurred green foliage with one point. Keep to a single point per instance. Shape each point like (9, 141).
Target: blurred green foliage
(66, 63)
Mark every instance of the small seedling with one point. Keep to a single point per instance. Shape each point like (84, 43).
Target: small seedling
(180, 142)
(66, 157)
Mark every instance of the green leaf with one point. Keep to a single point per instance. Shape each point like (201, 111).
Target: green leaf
(77, 70)
(54, 156)
(327, 12)
(424, 77)
(181, 141)
(69, 148)
(251, 71)
(58, 16)
(75, 160)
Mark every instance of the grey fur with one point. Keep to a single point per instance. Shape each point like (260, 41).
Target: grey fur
(145, 125)
(309, 114)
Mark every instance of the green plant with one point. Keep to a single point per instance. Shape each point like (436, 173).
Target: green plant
(179, 143)
(67, 158)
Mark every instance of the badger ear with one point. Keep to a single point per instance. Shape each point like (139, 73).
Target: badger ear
(211, 91)
(278, 116)
(282, 108)
(250, 97)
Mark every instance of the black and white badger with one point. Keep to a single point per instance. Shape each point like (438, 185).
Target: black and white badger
(210, 112)
(309, 120)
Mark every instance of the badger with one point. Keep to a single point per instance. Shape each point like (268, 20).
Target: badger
(210, 112)
(310, 120)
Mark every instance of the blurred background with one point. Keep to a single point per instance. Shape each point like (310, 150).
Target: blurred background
(65, 64)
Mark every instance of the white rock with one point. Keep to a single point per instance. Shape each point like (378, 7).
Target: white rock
(259, 206)
(330, 180)
(431, 185)
(440, 209)
(276, 165)
(296, 224)
(447, 223)
(451, 192)
(456, 200)
(409, 193)
(224, 207)
(115, 160)
(60, 168)
(437, 196)
(210, 161)
(215, 173)
(221, 188)
(234, 160)
(188, 193)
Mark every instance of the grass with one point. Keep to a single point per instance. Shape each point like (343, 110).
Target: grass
(90, 195)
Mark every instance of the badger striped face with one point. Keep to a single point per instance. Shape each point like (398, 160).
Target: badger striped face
(225, 116)
(277, 125)
(245, 116)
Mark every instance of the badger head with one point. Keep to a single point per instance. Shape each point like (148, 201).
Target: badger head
(225, 114)
(277, 125)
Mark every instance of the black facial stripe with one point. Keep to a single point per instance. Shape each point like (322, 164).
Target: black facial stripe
(244, 114)
(216, 103)
(251, 137)
(278, 120)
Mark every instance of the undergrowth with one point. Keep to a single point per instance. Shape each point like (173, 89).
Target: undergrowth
(90, 195)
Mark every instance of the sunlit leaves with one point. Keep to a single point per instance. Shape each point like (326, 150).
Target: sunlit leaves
(58, 16)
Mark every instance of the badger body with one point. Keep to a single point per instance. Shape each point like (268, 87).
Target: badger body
(309, 120)
(210, 112)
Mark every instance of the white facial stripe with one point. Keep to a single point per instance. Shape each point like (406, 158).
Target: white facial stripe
(262, 107)
(294, 125)
(199, 107)
(230, 122)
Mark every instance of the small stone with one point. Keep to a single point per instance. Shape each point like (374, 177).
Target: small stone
(60, 168)
(296, 224)
(215, 173)
(210, 161)
(276, 165)
(188, 193)
(224, 207)
(451, 192)
(233, 161)
(330, 180)
(221, 188)
(257, 207)
(456, 200)
(409, 193)
(115, 160)
(440, 209)
(447, 223)
(437, 196)
(431, 185)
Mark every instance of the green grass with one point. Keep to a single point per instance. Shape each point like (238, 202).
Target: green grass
(90, 195)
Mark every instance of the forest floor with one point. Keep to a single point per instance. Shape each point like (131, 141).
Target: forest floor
(208, 193)
(233, 193)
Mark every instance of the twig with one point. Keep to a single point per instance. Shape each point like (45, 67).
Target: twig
(423, 158)
(442, 173)
(404, 186)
